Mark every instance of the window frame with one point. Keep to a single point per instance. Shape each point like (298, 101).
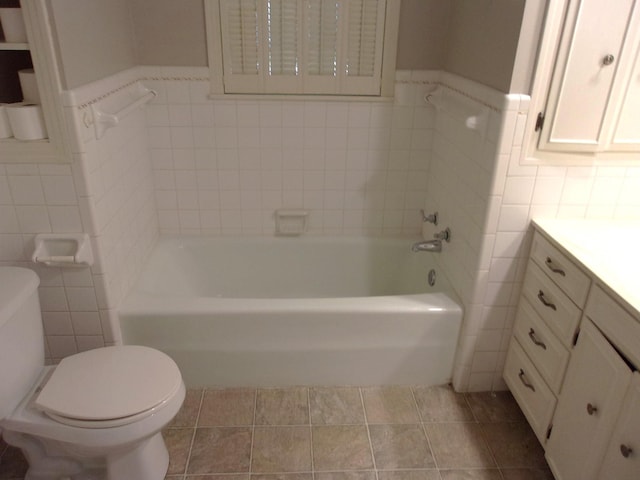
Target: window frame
(216, 63)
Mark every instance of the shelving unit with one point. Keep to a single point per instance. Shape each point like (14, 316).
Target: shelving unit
(40, 54)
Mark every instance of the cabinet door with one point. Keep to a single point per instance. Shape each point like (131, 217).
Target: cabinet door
(585, 71)
(595, 384)
(622, 460)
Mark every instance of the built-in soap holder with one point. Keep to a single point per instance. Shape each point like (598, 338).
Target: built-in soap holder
(291, 222)
(63, 250)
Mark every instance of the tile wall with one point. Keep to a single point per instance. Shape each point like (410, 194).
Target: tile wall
(489, 197)
(43, 198)
(116, 195)
(224, 166)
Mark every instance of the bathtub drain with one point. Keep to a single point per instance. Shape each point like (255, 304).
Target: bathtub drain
(431, 278)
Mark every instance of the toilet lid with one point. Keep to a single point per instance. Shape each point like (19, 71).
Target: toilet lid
(109, 383)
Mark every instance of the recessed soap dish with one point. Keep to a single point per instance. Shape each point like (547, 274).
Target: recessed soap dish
(63, 250)
(291, 221)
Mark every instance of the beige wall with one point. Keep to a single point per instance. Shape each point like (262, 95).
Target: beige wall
(483, 39)
(422, 44)
(95, 39)
(476, 39)
(170, 32)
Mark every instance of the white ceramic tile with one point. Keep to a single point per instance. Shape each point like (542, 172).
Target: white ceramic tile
(26, 190)
(33, 219)
(57, 323)
(89, 342)
(61, 346)
(8, 220)
(65, 219)
(86, 323)
(53, 299)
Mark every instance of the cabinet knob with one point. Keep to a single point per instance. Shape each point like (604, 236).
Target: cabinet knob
(625, 451)
(591, 409)
(608, 59)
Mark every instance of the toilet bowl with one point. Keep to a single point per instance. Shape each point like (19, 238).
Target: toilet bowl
(97, 415)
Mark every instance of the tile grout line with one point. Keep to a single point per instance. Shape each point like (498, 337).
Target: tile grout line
(193, 435)
(482, 435)
(424, 430)
(366, 423)
(313, 466)
(253, 431)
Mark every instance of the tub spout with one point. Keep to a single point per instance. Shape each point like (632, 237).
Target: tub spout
(427, 246)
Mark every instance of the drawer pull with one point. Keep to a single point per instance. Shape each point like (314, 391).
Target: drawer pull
(549, 263)
(625, 451)
(591, 409)
(535, 340)
(524, 382)
(544, 301)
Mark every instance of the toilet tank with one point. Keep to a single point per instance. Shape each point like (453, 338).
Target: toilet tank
(21, 336)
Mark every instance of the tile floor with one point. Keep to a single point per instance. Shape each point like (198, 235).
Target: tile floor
(344, 433)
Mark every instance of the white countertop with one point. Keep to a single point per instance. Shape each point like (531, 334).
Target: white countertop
(609, 249)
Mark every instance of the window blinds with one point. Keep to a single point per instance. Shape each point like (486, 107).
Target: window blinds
(302, 46)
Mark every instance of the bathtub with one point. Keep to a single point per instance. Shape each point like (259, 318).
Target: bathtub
(294, 311)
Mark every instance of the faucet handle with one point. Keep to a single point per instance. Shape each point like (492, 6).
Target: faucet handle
(431, 218)
(443, 235)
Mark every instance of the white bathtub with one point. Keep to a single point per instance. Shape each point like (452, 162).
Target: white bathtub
(295, 311)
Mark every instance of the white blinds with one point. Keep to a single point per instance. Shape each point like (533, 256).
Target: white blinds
(302, 46)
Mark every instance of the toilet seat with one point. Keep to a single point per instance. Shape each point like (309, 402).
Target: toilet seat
(110, 386)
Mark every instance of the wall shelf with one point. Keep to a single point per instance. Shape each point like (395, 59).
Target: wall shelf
(14, 46)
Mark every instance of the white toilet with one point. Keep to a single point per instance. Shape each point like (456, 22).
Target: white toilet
(97, 415)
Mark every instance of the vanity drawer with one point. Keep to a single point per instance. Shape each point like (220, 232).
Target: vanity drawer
(554, 307)
(573, 281)
(619, 326)
(543, 348)
(533, 395)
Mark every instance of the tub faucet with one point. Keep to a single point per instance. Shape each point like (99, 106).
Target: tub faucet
(427, 246)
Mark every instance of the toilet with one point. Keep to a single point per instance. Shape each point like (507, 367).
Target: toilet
(98, 415)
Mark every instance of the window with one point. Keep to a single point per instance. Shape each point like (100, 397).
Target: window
(304, 47)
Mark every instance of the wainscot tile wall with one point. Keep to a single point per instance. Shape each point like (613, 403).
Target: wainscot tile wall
(223, 166)
(488, 196)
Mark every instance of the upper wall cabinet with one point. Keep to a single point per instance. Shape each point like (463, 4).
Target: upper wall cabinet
(594, 94)
(40, 53)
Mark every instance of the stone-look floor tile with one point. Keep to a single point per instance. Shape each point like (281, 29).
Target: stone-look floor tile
(188, 414)
(442, 404)
(355, 475)
(400, 446)
(281, 449)
(335, 406)
(14, 465)
(178, 441)
(478, 474)
(390, 405)
(220, 450)
(228, 407)
(527, 474)
(431, 474)
(281, 476)
(341, 448)
(282, 406)
(494, 407)
(459, 445)
(514, 445)
(220, 476)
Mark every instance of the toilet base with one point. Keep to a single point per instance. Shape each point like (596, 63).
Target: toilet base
(148, 460)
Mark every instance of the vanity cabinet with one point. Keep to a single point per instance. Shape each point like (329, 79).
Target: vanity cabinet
(592, 396)
(595, 88)
(553, 296)
(573, 361)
